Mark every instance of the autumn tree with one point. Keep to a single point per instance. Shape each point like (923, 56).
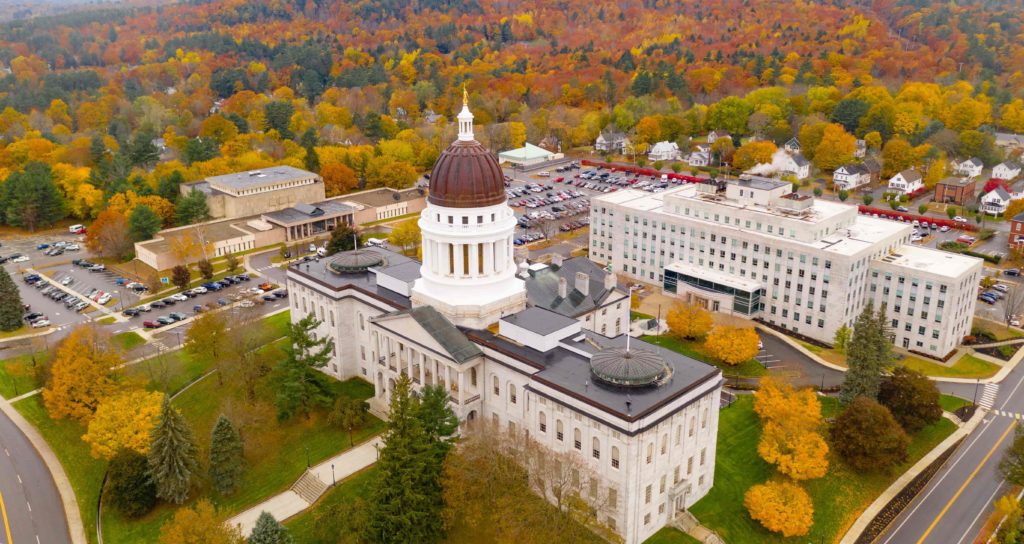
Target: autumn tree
(172, 455)
(226, 461)
(867, 437)
(300, 385)
(841, 339)
(206, 338)
(129, 488)
(752, 153)
(109, 236)
(181, 277)
(781, 507)
(912, 398)
(199, 524)
(897, 155)
(205, 269)
(81, 374)
(1011, 466)
(231, 263)
(732, 345)
(835, 148)
(11, 309)
(350, 415)
(405, 234)
(385, 171)
(688, 320)
(338, 179)
(790, 438)
(123, 422)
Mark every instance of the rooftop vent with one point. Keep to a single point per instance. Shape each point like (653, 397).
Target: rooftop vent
(623, 367)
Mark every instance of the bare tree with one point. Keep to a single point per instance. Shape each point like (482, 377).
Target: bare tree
(548, 227)
(1013, 303)
(245, 362)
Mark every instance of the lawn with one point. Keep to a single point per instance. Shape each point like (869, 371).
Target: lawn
(951, 403)
(671, 535)
(838, 498)
(17, 374)
(302, 526)
(128, 340)
(694, 350)
(968, 366)
(24, 329)
(998, 331)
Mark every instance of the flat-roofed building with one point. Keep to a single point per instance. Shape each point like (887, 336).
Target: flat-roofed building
(384, 203)
(192, 243)
(810, 258)
(308, 220)
(254, 192)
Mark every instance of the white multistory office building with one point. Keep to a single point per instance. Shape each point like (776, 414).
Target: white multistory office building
(535, 349)
(754, 248)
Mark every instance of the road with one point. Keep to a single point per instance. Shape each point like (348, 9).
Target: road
(954, 505)
(32, 508)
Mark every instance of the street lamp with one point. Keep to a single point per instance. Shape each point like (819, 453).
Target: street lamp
(334, 481)
(976, 384)
(307, 455)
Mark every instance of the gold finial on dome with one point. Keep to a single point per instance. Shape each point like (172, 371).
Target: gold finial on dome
(465, 96)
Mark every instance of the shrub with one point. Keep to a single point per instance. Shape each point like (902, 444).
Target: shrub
(129, 488)
(912, 398)
(868, 437)
(781, 507)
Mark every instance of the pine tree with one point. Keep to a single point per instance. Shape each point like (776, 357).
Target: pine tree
(869, 353)
(300, 384)
(406, 499)
(439, 421)
(129, 488)
(191, 208)
(225, 456)
(269, 531)
(143, 223)
(312, 160)
(11, 308)
(172, 455)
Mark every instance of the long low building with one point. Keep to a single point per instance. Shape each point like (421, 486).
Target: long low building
(252, 192)
(754, 248)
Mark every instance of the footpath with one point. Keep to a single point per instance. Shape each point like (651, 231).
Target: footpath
(310, 486)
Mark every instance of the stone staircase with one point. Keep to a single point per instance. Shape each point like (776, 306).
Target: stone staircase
(685, 522)
(309, 487)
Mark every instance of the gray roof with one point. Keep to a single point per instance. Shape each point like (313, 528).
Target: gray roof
(366, 281)
(1018, 217)
(974, 161)
(910, 174)
(542, 287)
(301, 212)
(800, 160)
(407, 271)
(1000, 192)
(259, 178)
(953, 180)
(793, 142)
(1012, 165)
(446, 334)
(612, 135)
(854, 169)
(759, 182)
(539, 320)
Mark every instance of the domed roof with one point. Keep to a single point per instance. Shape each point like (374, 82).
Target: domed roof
(628, 368)
(466, 175)
(355, 261)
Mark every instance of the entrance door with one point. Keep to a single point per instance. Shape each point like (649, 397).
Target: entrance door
(906, 342)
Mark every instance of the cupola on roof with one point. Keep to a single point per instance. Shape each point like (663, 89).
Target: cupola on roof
(466, 175)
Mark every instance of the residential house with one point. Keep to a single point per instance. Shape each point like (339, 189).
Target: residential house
(874, 169)
(551, 143)
(1010, 140)
(850, 176)
(1016, 238)
(995, 201)
(699, 158)
(792, 146)
(955, 190)
(1006, 170)
(861, 150)
(664, 151)
(796, 165)
(716, 134)
(611, 141)
(430, 116)
(970, 167)
(906, 182)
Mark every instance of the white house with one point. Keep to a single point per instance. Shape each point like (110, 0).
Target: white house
(1006, 170)
(611, 141)
(716, 134)
(906, 182)
(699, 158)
(860, 150)
(970, 167)
(796, 165)
(995, 201)
(664, 151)
(792, 146)
(1009, 139)
(850, 176)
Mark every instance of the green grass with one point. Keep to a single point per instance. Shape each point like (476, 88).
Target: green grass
(671, 535)
(17, 374)
(998, 331)
(839, 497)
(951, 403)
(692, 349)
(633, 315)
(302, 526)
(128, 340)
(968, 366)
(84, 472)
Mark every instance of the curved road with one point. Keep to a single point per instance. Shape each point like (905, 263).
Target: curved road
(32, 509)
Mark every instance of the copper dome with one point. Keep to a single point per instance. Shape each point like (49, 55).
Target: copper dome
(466, 175)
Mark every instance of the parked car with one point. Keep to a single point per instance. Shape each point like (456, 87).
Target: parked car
(97, 268)
(104, 299)
(131, 312)
(40, 323)
(269, 298)
(151, 324)
(157, 304)
(33, 316)
(1001, 287)
(145, 308)
(179, 297)
(164, 320)
(177, 316)
(1011, 272)
(222, 302)
(20, 259)
(198, 308)
(247, 303)
(169, 301)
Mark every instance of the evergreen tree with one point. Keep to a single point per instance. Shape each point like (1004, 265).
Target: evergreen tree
(912, 398)
(172, 455)
(869, 354)
(312, 160)
(11, 308)
(439, 421)
(200, 149)
(277, 116)
(192, 208)
(169, 186)
(406, 501)
(300, 385)
(342, 239)
(225, 456)
(31, 199)
(309, 138)
(269, 531)
(129, 488)
(143, 223)
(142, 151)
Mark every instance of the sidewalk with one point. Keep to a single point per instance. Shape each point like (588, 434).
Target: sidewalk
(289, 503)
(882, 500)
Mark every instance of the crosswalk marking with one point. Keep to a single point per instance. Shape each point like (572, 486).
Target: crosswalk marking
(988, 395)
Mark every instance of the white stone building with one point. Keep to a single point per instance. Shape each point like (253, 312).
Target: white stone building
(763, 252)
(906, 182)
(515, 345)
(664, 151)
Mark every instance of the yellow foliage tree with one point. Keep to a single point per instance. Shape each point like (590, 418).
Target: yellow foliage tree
(798, 453)
(776, 400)
(123, 421)
(81, 375)
(835, 148)
(200, 524)
(752, 153)
(688, 320)
(732, 345)
(781, 507)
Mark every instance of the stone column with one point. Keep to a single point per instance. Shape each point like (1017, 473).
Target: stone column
(462, 386)
(474, 263)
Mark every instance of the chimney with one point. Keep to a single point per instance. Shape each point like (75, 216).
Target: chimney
(556, 260)
(563, 288)
(583, 283)
(610, 281)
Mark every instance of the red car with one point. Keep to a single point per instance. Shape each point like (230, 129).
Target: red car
(559, 180)
(151, 324)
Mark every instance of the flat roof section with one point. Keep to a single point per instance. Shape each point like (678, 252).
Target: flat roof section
(301, 213)
(259, 178)
(716, 276)
(538, 320)
(758, 182)
(382, 197)
(933, 261)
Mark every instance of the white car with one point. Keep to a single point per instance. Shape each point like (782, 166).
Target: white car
(200, 290)
(247, 303)
(67, 280)
(40, 323)
(104, 299)
(21, 259)
(944, 228)
(72, 247)
(1001, 287)
(960, 219)
(179, 297)
(145, 308)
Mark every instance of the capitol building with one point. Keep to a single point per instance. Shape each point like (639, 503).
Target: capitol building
(540, 349)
